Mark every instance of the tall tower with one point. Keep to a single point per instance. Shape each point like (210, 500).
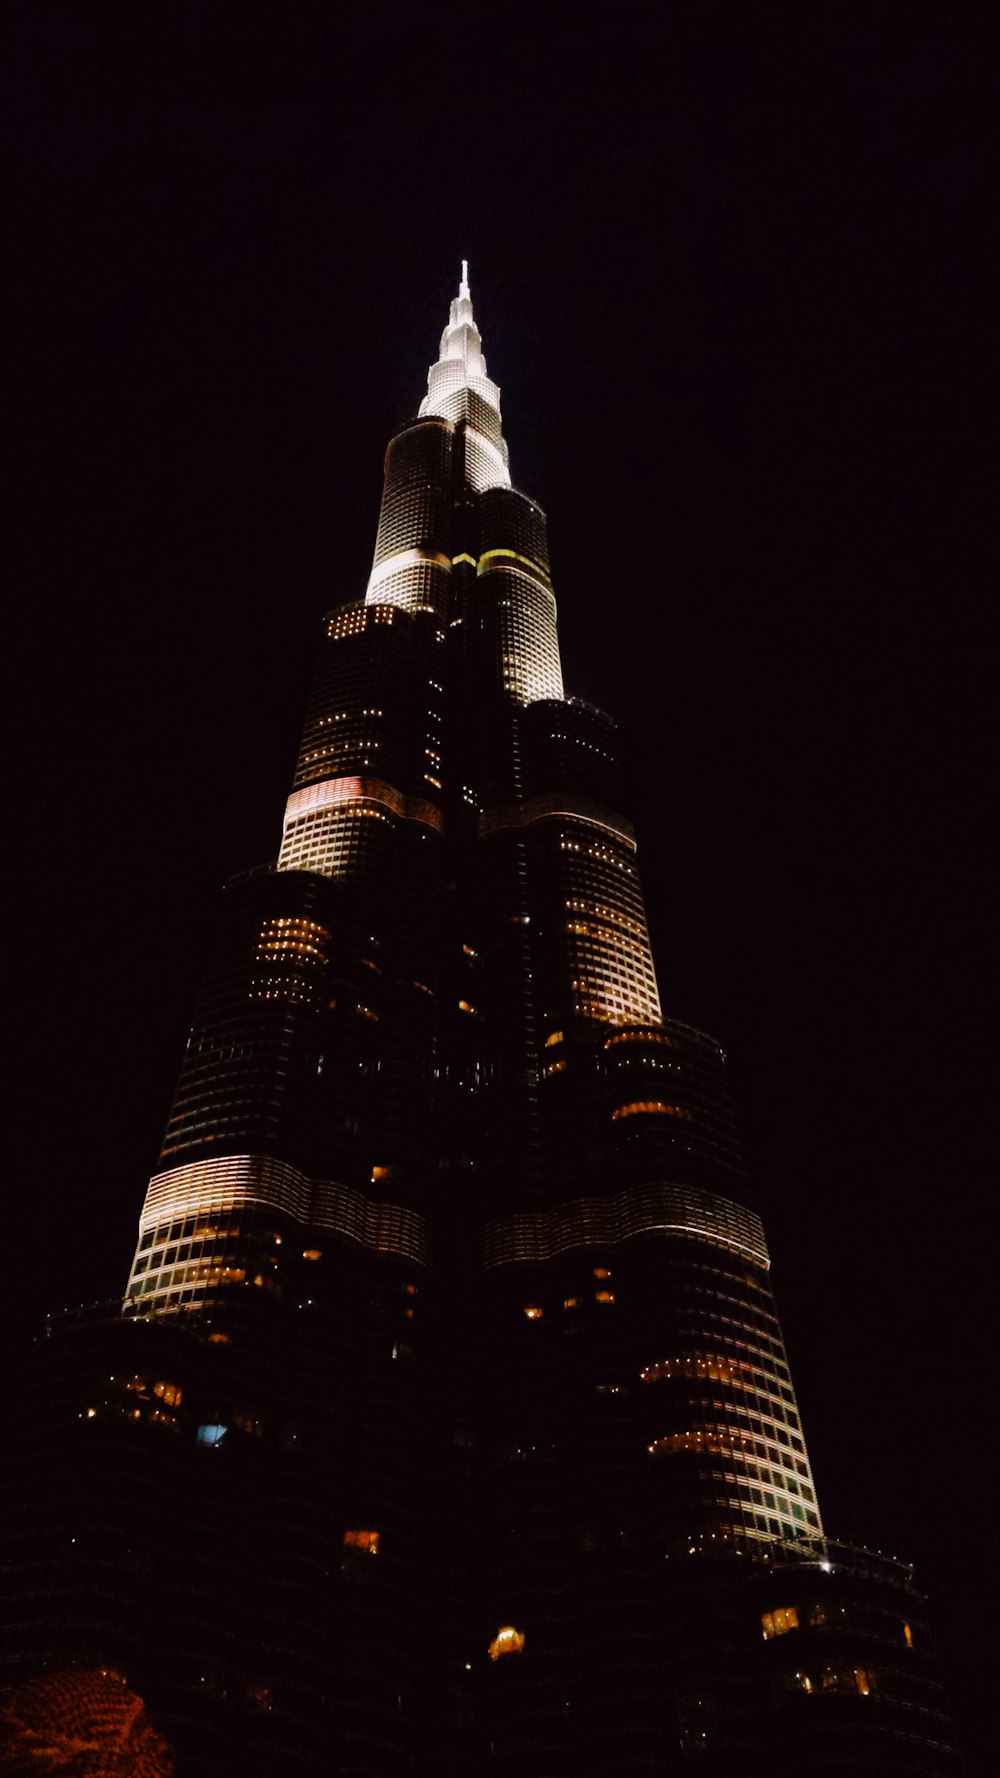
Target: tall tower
(447, 1424)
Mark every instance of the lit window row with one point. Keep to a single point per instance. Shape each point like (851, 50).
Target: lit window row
(714, 1440)
(351, 622)
(658, 1106)
(301, 937)
(602, 911)
(844, 1680)
(348, 715)
(716, 1368)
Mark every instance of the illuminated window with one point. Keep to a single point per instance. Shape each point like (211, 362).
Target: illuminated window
(211, 1435)
(366, 1541)
(553, 1038)
(168, 1392)
(907, 1635)
(641, 1107)
(533, 1312)
(604, 1296)
(698, 1367)
(507, 1641)
(571, 1302)
(302, 940)
(699, 1439)
(846, 1680)
(602, 1272)
(313, 1253)
(778, 1623)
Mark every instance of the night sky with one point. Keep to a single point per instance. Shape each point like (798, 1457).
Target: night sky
(729, 265)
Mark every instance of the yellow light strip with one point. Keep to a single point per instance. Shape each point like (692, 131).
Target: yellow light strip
(511, 555)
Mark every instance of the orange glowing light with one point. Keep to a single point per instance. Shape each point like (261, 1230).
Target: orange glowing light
(507, 1641)
(367, 1541)
(84, 1721)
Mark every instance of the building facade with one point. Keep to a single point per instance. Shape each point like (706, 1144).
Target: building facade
(447, 1423)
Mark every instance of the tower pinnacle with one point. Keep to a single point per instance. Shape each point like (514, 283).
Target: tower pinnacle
(459, 388)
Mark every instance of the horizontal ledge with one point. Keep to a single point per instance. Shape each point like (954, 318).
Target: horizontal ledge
(406, 558)
(548, 807)
(332, 793)
(535, 1235)
(232, 1182)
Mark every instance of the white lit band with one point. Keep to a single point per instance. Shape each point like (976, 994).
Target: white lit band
(244, 1181)
(405, 558)
(446, 377)
(566, 808)
(537, 1235)
(333, 793)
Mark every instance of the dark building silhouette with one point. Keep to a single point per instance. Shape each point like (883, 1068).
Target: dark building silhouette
(447, 1425)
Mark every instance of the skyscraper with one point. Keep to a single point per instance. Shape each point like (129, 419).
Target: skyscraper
(447, 1424)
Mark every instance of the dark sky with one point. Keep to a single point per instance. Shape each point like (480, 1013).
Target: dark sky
(729, 264)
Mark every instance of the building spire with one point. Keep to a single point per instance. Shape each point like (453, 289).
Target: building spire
(459, 389)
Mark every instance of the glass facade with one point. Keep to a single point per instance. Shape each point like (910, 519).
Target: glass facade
(447, 1425)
